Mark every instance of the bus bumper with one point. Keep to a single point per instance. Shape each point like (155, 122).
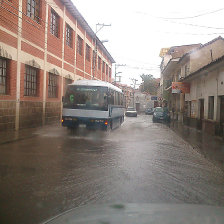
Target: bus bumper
(88, 123)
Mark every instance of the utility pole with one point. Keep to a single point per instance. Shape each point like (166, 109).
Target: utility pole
(115, 70)
(134, 83)
(100, 25)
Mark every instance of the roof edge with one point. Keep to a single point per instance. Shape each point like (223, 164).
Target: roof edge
(203, 45)
(78, 16)
(204, 67)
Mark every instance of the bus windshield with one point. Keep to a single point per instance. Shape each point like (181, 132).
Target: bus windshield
(86, 97)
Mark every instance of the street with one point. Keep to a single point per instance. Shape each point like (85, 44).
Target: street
(140, 162)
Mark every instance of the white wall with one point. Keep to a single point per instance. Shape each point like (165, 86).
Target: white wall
(207, 85)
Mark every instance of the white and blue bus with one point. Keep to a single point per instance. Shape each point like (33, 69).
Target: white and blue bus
(93, 104)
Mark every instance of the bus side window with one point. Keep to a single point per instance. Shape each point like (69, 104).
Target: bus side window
(116, 98)
(122, 100)
(111, 97)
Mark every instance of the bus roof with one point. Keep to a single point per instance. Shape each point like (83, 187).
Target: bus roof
(95, 83)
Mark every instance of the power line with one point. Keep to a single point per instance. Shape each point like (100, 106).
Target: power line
(187, 17)
(193, 34)
(142, 68)
(195, 25)
(186, 24)
(196, 16)
(138, 61)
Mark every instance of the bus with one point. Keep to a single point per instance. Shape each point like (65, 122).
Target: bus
(93, 104)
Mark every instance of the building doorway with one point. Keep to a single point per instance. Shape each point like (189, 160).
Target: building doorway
(137, 105)
(201, 101)
(201, 113)
(221, 115)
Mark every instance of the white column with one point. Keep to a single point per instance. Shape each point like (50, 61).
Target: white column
(84, 55)
(45, 66)
(63, 54)
(215, 107)
(91, 61)
(76, 28)
(206, 107)
(217, 100)
(20, 14)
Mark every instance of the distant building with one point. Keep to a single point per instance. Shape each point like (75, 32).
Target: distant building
(143, 100)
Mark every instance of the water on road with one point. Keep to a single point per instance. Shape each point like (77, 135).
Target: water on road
(140, 162)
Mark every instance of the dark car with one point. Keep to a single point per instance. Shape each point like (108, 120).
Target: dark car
(161, 114)
(131, 112)
(149, 111)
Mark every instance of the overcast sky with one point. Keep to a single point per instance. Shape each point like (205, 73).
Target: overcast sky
(139, 29)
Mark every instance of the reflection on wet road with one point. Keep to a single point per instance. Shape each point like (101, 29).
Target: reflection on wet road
(140, 162)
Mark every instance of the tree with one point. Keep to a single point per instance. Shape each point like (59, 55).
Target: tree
(149, 84)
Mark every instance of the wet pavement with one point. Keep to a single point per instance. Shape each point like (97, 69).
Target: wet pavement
(211, 147)
(52, 170)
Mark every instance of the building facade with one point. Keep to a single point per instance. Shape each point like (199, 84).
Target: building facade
(204, 105)
(202, 70)
(169, 68)
(44, 46)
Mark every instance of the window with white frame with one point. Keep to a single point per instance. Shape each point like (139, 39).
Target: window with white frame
(52, 86)
(79, 45)
(33, 9)
(31, 81)
(103, 69)
(54, 27)
(110, 72)
(186, 70)
(99, 63)
(94, 59)
(3, 76)
(106, 69)
(87, 52)
(69, 35)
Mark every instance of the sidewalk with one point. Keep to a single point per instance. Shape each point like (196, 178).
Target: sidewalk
(211, 147)
(12, 135)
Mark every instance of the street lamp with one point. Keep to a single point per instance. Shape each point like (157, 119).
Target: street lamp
(134, 84)
(115, 74)
(100, 25)
(115, 79)
(104, 41)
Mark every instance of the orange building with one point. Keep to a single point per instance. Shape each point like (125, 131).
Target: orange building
(44, 45)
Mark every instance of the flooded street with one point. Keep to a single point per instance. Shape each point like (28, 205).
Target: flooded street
(140, 162)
